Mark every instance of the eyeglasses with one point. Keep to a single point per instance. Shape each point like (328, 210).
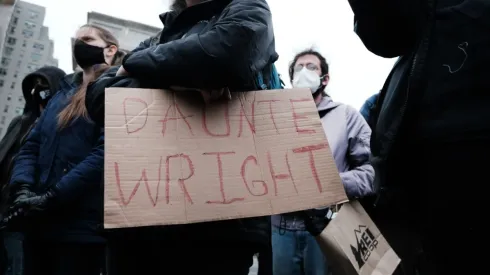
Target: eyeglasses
(309, 66)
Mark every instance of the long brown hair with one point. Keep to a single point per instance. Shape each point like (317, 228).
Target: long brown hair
(76, 108)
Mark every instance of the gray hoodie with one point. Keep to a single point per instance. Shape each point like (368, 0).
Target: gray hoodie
(348, 135)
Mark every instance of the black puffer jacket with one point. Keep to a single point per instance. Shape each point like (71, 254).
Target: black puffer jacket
(438, 89)
(214, 44)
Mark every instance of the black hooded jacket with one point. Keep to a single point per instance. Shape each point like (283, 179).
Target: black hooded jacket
(211, 45)
(437, 91)
(20, 126)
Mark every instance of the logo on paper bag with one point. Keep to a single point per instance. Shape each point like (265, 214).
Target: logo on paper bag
(366, 243)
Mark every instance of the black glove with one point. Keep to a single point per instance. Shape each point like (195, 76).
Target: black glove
(23, 192)
(35, 203)
(316, 220)
(29, 205)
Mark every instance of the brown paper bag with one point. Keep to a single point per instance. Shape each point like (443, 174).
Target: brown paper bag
(353, 244)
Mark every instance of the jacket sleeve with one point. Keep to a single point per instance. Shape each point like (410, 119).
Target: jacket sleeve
(14, 121)
(87, 174)
(368, 107)
(233, 45)
(358, 181)
(26, 162)
(388, 28)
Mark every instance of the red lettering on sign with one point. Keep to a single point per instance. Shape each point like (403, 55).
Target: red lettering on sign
(243, 170)
(134, 99)
(270, 111)
(243, 116)
(143, 178)
(227, 122)
(221, 183)
(181, 116)
(181, 180)
(309, 150)
(296, 117)
(276, 177)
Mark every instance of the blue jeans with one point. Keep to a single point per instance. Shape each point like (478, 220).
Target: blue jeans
(296, 253)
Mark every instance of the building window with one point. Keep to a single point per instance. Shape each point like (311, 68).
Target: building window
(15, 20)
(30, 25)
(38, 46)
(18, 111)
(8, 51)
(4, 118)
(1, 83)
(3, 71)
(16, 74)
(27, 33)
(24, 43)
(9, 97)
(21, 99)
(12, 86)
(11, 41)
(6, 109)
(36, 57)
(5, 61)
(19, 63)
(12, 30)
(33, 14)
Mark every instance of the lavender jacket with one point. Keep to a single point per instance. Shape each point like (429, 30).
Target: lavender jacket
(348, 135)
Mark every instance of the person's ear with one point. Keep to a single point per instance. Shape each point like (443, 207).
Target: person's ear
(111, 51)
(326, 79)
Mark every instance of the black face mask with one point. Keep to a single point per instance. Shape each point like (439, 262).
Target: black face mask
(87, 55)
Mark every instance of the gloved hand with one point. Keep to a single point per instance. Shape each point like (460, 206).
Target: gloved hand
(35, 203)
(30, 204)
(23, 192)
(316, 220)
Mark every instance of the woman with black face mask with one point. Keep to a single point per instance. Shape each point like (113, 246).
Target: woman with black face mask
(58, 174)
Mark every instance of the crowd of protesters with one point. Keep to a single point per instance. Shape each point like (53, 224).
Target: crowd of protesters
(414, 156)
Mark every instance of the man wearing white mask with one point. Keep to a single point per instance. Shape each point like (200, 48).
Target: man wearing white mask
(295, 251)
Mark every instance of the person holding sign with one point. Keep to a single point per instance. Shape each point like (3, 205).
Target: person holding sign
(208, 46)
(295, 251)
(58, 174)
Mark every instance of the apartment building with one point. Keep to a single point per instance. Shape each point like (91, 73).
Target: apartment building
(26, 48)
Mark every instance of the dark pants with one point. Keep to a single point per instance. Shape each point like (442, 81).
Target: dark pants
(47, 258)
(265, 261)
(15, 253)
(180, 258)
(437, 224)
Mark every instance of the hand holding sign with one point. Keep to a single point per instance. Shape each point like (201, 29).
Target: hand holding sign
(207, 95)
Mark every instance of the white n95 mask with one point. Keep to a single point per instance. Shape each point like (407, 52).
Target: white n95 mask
(306, 79)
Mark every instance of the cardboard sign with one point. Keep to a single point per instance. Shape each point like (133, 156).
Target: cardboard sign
(169, 159)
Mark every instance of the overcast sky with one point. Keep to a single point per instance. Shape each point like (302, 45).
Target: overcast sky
(326, 25)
